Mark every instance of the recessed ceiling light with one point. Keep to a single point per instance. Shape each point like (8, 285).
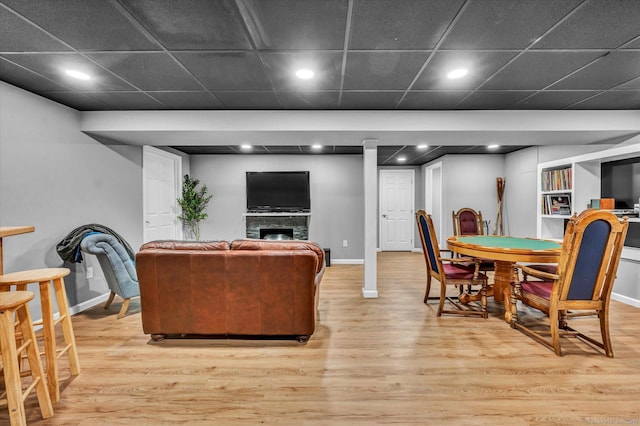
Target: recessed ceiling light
(423, 146)
(457, 73)
(78, 74)
(245, 146)
(402, 159)
(493, 146)
(316, 146)
(304, 74)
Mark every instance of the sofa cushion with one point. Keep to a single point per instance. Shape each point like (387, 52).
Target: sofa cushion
(253, 244)
(186, 245)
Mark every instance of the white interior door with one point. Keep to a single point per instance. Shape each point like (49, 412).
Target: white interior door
(162, 172)
(396, 210)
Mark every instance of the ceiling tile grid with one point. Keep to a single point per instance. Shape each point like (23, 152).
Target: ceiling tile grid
(366, 54)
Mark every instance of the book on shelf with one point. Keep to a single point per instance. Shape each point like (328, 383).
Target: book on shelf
(556, 180)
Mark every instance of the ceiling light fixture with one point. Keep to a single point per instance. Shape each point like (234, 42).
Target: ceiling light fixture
(78, 74)
(423, 146)
(316, 146)
(493, 146)
(245, 146)
(304, 74)
(402, 159)
(457, 73)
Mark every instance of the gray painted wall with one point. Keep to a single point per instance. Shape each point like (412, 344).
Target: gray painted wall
(337, 199)
(56, 178)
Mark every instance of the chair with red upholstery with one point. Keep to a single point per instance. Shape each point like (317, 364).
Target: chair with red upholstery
(467, 221)
(586, 271)
(458, 271)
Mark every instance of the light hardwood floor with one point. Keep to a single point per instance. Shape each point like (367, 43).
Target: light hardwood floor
(371, 361)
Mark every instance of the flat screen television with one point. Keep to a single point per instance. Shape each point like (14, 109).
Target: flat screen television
(621, 180)
(286, 191)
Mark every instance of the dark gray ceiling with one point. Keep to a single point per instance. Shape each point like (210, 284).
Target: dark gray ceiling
(367, 54)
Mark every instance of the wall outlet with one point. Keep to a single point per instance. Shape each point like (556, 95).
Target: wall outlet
(90, 272)
(345, 243)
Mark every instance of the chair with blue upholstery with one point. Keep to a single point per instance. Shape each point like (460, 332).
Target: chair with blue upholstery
(583, 282)
(118, 267)
(458, 271)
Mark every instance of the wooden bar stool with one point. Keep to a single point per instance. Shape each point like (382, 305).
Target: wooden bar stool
(44, 277)
(10, 302)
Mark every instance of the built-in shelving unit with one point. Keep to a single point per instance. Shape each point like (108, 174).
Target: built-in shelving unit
(575, 180)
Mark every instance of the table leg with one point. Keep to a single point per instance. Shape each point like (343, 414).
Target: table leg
(502, 279)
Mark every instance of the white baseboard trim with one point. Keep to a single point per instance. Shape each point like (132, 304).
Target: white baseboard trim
(626, 300)
(88, 304)
(369, 294)
(416, 250)
(347, 261)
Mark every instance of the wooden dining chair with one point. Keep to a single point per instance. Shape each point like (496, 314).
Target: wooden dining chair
(458, 271)
(467, 221)
(586, 271)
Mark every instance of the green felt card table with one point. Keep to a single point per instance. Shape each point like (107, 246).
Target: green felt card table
(505, 252)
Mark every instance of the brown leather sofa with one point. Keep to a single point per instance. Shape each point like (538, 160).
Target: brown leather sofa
(243, 288)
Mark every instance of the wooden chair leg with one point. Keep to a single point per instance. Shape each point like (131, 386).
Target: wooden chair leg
(426, 294)
(604, 330)
(125, 306)
(443, 297)
(554, 322)
(110, 300)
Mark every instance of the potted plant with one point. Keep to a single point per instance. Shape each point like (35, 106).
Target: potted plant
(193, 204)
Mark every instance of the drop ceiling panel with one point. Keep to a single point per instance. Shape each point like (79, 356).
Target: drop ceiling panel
(432, 99)
(76, 100)
(191, 24)
(481, 65)
(18, 35)
(226, 71)
(248, 100)
(300, 24)
(612, 70)
(281, 68)
(539, 69)
(486, 24)
(126, 100)
(309, 99)
(85, 24)
(405, 24)
(382, 70)
(53, 66)
(22, 77)
(148, 71)
(493, 99)
(187, 100)
(370, 100)
(557, 99)
(597, 24)
(612, 100)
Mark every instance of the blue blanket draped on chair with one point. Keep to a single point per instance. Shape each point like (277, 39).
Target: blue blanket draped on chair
(118, 267)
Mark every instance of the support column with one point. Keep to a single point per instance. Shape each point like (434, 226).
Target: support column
(370, 176)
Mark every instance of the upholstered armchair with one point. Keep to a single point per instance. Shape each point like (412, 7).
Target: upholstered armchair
(582, 283)
(118, 267)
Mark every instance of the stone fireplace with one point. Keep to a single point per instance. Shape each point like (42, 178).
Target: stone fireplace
(277, 225)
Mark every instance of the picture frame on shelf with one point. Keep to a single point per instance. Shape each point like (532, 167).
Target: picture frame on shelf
(560, 204)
